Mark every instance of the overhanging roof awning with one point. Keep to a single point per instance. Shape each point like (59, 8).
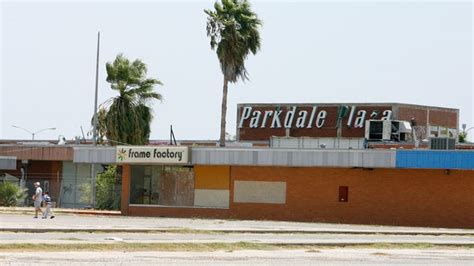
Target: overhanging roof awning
(7, 162)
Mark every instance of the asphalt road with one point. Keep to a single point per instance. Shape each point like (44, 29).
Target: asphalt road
(285, 257)
(307, 233)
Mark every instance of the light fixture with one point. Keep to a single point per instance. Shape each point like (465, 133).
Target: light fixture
(35, 132)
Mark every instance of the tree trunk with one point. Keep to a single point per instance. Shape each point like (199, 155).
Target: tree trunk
(223, 114)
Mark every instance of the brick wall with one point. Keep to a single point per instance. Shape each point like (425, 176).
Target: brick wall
(419, 114)
(379, 196)
(437, 116)
(444, 118)
(405, 197)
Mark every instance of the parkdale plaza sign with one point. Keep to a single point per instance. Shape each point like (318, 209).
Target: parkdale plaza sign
(297, 118)
(152, 154)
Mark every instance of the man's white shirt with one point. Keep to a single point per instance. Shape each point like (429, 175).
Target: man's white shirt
(39, 194)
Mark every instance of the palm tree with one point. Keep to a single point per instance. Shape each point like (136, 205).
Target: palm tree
(128, 115)
(101, 125)
(233, 30)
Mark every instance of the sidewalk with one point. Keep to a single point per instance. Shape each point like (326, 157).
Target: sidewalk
(74, 221)
(27, 210)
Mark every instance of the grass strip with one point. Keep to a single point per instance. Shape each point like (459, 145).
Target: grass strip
(207, 247)
(71, 239)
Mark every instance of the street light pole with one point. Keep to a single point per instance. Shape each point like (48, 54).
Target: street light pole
(34, 133)
(464, 131)
(95, 121)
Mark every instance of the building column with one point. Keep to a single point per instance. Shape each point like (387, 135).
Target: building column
(125, 195)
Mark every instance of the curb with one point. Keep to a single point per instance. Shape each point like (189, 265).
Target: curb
(85, 212)
(229, 231)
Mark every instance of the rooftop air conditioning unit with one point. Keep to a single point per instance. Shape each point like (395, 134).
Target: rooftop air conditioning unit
(387, 130)
(442, 143)
(377, 130)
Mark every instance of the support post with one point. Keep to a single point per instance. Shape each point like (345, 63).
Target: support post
(95, 122)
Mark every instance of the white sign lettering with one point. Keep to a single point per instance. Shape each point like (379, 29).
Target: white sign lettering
(351, 116)
(387, 115)
(266, 115)
(320, 119)
(302, 118)
(289, 117)
(255, 119)
(245, 115)
(360, 120)
(313, 112)
(276, 119)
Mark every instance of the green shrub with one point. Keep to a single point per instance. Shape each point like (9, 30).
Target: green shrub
(85, 193)
(11, 194)
(107, 193)
(462, 137)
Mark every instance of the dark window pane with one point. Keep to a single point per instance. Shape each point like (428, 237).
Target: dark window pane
(162, 185)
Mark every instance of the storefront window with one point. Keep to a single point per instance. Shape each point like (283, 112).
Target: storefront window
(162, 185)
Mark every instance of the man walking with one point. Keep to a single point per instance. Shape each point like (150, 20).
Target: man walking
(38, 198)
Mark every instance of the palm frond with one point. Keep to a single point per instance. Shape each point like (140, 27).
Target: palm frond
(127, 116)
(233, 31)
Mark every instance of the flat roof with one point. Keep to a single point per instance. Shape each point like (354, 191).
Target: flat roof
(352, 103)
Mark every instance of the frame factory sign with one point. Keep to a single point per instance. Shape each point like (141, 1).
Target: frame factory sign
(152, 154)
(261, 121)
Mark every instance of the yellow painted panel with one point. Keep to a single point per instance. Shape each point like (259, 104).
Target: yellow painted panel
(211, 177)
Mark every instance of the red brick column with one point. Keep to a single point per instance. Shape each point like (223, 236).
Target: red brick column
(125, 189)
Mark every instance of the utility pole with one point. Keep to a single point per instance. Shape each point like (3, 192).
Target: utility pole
(95, 121)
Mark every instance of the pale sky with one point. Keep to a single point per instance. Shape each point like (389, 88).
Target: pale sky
(417, 52)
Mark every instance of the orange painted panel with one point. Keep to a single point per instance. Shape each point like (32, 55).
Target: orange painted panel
(211, 177)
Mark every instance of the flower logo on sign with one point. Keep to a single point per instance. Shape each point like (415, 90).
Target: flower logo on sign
(121, 154)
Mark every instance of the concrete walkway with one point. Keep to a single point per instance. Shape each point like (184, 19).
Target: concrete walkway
(72, 222)
(257, 238)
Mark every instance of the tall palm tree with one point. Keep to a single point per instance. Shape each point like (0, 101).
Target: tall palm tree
(128, 115)
(233, 30)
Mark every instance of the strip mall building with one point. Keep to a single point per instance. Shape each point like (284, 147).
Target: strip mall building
(418, 187)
